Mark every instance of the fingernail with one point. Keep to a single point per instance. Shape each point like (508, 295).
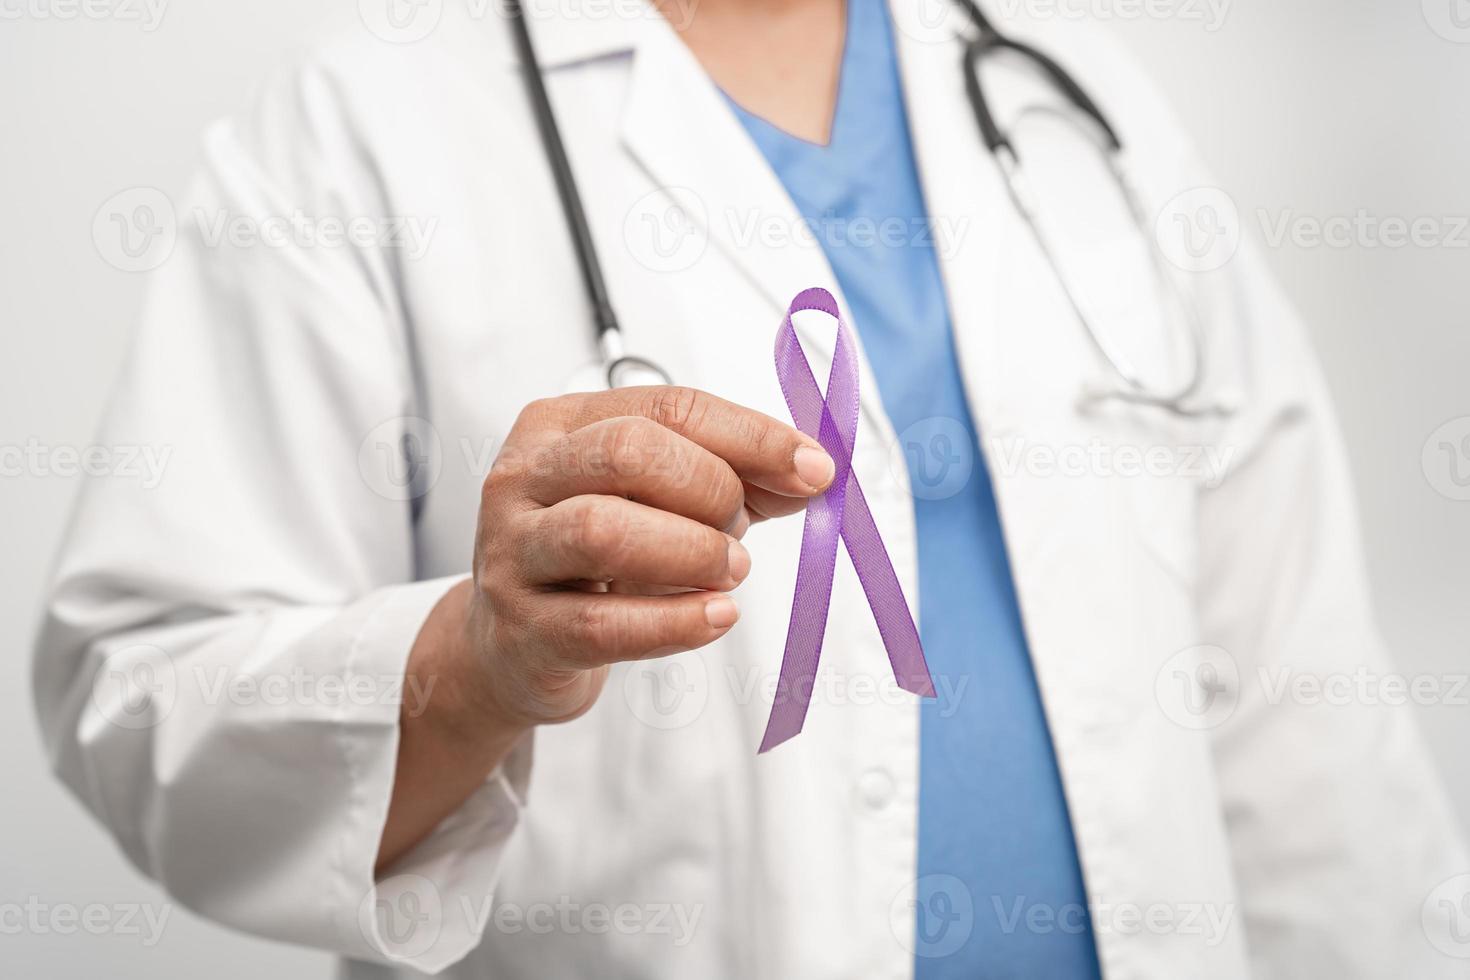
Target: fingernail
(742, 524)
(815, 467)
(721, 613)
(739, 561)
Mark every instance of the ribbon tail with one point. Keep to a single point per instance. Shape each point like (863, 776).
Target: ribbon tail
(803, 654)
(885, 596)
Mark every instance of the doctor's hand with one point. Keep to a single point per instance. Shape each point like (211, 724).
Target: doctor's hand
(601, 514)
(609, 530)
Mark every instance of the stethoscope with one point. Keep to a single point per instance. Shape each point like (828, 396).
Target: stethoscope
(621, 369)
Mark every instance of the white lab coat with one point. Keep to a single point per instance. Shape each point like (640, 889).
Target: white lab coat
(646, 838)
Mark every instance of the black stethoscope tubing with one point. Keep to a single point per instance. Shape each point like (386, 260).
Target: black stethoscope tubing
(987, 39)
(609, 332)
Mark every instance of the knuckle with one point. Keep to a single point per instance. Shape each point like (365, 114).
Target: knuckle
(557, 458)
(553, 406)
(770, 441)
(498, 481)
(537, 412)
(629, 442)
(489, 561)
(537, 408)
(717, 498)
(599, 533)
(490, 487)
(505, 609)
(499, 563)
(729, 493)
(712, 550)
(760, 437)
(498, 596)
(502, 472)
(511, 464)
(591, 625)
(675, 407)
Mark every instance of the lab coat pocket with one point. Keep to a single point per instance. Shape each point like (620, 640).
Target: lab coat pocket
(1157, 463)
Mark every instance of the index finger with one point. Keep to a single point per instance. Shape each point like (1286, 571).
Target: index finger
(762, 451)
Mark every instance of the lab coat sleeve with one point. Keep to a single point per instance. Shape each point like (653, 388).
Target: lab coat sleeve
(220, 669)
(1339, 829)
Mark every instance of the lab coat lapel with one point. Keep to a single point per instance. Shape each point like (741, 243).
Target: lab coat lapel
(961, 191)
(1014, 347)
(678, 127)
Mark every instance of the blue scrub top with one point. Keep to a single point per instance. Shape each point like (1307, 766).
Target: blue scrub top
(995, 839)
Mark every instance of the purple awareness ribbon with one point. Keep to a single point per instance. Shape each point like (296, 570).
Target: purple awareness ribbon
(840, 512)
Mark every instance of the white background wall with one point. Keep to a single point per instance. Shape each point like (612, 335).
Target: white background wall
(1317, 107)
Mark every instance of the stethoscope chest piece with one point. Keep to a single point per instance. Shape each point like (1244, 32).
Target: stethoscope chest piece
(629, 371)
(624, 372)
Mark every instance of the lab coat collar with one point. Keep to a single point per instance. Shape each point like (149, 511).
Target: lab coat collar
(960, 183)
(680, 129)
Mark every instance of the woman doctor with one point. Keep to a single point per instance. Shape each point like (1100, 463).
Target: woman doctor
(552, 672)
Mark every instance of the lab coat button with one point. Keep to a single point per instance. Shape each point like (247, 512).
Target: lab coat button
(875, 788)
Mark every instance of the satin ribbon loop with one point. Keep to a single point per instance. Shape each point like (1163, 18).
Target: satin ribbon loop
(841, 512)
